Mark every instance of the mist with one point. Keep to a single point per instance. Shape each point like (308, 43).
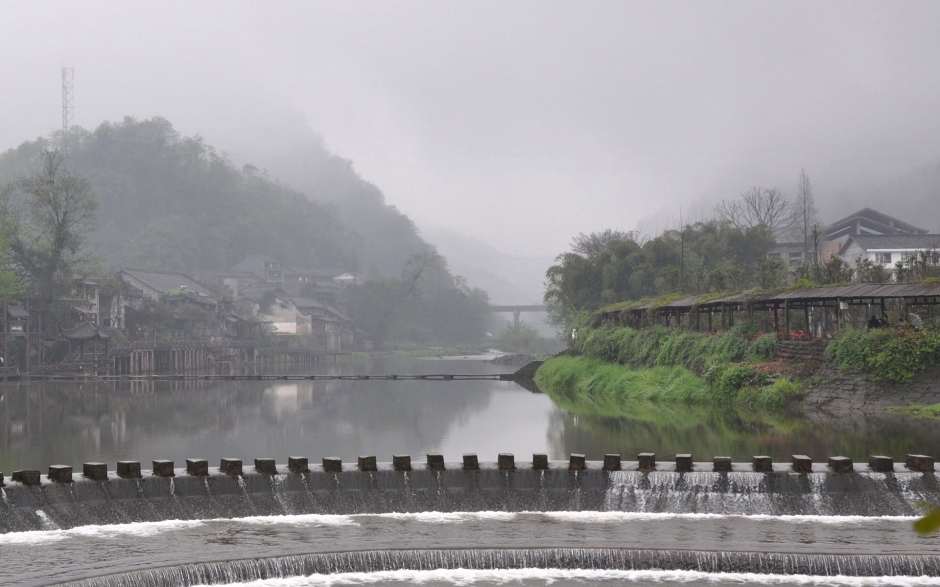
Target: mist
(520, 124)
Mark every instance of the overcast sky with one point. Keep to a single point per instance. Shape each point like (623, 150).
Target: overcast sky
(521, 123)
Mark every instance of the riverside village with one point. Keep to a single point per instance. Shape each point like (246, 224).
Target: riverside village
(469, 294)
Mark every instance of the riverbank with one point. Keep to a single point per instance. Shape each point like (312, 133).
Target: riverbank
(857, 371)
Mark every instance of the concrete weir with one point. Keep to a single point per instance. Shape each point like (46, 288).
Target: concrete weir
(61, 499)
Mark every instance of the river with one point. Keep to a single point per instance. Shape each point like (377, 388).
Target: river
(730, 536)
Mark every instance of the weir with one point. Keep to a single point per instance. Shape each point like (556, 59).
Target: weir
(61, 500)
(541, 558)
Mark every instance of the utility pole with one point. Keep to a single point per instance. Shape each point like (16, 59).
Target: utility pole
(68, 98)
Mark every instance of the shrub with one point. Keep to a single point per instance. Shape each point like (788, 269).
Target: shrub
(731, 380)
(777, 395)
(764, 347)
(892, 355)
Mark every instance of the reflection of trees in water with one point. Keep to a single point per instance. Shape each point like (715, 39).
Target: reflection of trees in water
(706, 432)
(45, 422)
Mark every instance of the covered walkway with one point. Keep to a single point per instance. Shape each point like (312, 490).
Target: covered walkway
(803, 313)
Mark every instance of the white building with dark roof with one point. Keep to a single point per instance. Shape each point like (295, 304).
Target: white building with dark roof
(886, 250)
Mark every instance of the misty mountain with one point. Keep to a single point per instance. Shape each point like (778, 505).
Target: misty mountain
(170, 202)
(387, 238)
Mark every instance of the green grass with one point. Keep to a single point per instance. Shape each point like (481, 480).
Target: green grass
(922, 411)
(585, 385)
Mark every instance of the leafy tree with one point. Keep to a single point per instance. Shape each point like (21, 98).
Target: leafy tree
(47, 217)
(518, 337)
(704, 257)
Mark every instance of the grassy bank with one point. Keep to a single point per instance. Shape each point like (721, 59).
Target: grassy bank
(892, 355)
(921, 411)
(608, 388)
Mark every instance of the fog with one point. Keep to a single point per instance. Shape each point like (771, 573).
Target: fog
(517, 124)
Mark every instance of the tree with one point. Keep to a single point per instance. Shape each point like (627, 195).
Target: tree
(758, 207)
(805, 214)
(592, 245)
(47, 217)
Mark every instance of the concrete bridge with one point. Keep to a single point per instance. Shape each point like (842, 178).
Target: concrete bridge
(518, 310)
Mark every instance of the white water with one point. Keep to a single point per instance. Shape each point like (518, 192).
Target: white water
(330, 520)
(462, 577)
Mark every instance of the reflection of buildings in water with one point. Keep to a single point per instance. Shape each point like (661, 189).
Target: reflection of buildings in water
(46, 422)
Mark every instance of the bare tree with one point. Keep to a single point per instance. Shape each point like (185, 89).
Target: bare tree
(765, 207)
(805, 213)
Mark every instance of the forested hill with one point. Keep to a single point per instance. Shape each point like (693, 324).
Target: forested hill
(170, 202)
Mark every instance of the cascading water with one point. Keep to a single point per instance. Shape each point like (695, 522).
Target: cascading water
(654, 518)
(548, 558)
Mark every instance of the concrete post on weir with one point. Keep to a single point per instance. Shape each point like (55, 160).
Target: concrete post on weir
(762, 464)
(368, 463)
(540, 462)
(129, 469)
(684, 463)
(26, 476)
(60, 473)
(197, 467)
(163, 468)
(95, 471)
(506, 461)
(919, 463)
(577, 463)
(881, 464)
(841, 465)
(435, 462)
(721, 464)
(802, 464)
(334, 465)
(401, 462)
(231, 467)
(611, 462)
(296, 465)
(266, 466)
(470, 462)
(647, 461)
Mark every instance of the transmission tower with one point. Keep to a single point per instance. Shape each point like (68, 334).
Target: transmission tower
(68, 98)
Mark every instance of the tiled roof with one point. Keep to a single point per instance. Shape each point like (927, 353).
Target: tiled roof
(164, 282)
(897, 241)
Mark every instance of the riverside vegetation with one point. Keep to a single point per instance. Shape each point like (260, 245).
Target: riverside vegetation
(614, 366)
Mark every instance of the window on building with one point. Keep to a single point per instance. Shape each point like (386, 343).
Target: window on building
(883, 258)
(774, 255)
(796, 257)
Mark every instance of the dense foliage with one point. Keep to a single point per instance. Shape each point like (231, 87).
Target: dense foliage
(894, 355)
(168, 202)
(705, 257)
(626, 363)
(156, 200)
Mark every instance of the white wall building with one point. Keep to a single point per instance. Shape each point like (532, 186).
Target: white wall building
(886, 250)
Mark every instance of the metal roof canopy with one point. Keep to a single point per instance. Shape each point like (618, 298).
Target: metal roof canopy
(817, 295)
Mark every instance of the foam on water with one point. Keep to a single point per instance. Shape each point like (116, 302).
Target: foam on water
(103, 531)
(106, 531)
(607, 517)
(461, 577)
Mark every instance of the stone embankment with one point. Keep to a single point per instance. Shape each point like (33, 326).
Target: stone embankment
(846, 391)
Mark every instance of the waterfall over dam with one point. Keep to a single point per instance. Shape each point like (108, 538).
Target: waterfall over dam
(213, 494)
(546, 558)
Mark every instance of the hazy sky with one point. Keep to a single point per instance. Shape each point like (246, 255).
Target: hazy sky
(521, 123)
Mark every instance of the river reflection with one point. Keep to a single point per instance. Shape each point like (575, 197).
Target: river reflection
(43, 423)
